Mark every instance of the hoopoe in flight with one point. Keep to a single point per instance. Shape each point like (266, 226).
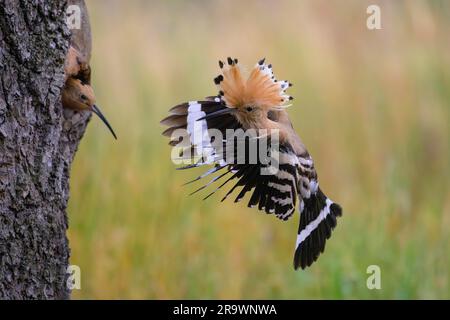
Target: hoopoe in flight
(77, 93)
(257, 102)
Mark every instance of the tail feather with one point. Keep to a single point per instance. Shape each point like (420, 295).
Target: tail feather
(317, 220)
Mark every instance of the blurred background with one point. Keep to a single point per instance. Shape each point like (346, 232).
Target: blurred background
(372, 106)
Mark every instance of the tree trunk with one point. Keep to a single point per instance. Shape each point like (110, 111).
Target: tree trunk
(38, 141)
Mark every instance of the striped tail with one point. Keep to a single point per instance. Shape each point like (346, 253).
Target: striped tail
(317, 219)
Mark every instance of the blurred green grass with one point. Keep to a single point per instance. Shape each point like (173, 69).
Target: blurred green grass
(372, 107)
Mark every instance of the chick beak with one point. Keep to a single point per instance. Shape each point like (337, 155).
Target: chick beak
(97, 111)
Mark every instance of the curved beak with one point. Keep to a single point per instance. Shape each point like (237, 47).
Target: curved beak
(97, 111)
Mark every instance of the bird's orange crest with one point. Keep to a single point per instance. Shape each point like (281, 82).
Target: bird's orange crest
(260, 88)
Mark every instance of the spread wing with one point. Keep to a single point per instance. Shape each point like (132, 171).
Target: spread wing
(199, 130)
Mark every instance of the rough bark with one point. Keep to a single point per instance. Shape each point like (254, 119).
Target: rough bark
(38, 141)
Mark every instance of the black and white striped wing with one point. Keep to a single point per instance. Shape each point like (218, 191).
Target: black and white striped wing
(275, 193)
(318, 216)
(190, 127)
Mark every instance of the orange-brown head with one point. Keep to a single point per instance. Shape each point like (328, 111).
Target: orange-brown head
(79, 96)
(252, 97)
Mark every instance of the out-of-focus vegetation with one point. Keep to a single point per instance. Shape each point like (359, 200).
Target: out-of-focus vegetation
(373, 107)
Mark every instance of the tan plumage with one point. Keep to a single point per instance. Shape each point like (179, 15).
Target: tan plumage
(77, 93)
(257, 101)
(287, 132)
(259, 89)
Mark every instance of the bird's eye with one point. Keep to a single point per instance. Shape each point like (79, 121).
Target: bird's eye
(249, 109)
(83, 97)
(272, 115)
